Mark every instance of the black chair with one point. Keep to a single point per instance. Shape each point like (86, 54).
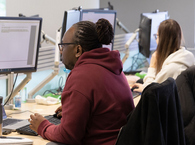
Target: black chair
(186, 90)
(157, 118)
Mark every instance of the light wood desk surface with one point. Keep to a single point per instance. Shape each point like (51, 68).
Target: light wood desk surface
(136, 100)
(35, 108)
(41, 109)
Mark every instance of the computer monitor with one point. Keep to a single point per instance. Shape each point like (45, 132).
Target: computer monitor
(149, 23)
(144, 35)
(70, 17)
(20, 37)
(95, 14)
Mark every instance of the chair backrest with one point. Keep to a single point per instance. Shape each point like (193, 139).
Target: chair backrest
(157, 119)
(186, 89)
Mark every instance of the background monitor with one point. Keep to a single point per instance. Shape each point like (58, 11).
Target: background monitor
(144, 35)
(70, 17)
(95, 14)
(20, 37)
(146, 45)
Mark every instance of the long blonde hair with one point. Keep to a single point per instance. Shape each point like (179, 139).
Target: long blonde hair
(170, 36)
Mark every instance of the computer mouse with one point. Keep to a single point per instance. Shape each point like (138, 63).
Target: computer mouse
(56, 115)
(6, 131)
(132, 89)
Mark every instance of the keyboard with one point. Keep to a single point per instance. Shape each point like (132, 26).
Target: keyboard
(135, 94)
(10, 121)
(27, 131)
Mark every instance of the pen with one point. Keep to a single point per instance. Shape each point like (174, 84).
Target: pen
(5, 137)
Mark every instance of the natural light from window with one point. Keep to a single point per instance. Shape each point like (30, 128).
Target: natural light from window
(2, 8)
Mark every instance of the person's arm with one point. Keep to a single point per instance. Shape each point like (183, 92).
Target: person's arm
(151, 74)
(75, 114)
(170, 70)
(149, 78)
(137, 87)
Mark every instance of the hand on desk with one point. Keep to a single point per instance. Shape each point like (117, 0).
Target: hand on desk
(138, 87)
(35, 120)
(59, 111)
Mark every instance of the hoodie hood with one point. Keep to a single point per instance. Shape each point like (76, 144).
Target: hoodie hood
(110, 60)
(182, 56)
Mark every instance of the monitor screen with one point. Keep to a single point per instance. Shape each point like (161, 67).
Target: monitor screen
(70, 17)
(95, 14)
(157, 18)
(149, 23)
(20, 37)
(144, 35)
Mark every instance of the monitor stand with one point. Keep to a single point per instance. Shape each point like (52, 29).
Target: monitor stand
(128, 43)
(41, 84)
(9, 99)
(53, 74)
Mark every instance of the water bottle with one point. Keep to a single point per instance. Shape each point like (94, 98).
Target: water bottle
(18, 101)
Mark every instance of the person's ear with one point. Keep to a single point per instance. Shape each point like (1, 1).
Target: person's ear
(79, 50)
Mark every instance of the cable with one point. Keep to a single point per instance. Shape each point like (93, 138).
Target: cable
(137, 62)
(12, 89)
(60, 81)
(50, 92)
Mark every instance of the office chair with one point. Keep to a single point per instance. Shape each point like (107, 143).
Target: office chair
(157, 118)
(186, 89)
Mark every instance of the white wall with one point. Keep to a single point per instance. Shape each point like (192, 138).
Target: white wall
(51, 11)
(183, 11)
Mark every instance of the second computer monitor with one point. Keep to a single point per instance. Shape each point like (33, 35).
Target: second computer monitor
(144, 35)
(70, 17)
(94, 15)
(149, 23)
(73, 16)
(157, 18)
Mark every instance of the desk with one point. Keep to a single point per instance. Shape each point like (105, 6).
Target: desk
(41, 109)
(136, 100)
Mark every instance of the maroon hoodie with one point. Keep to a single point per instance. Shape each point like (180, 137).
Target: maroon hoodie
(95, 101)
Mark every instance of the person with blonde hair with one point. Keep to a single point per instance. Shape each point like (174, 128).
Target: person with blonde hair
(170, 58)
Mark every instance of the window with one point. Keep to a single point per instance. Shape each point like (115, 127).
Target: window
(2, 8)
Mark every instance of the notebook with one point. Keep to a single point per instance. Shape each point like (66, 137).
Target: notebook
(11, 123)
(15, 141)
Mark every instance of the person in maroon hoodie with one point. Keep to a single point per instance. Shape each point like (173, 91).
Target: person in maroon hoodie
(96, 98)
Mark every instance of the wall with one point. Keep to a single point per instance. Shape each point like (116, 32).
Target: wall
(128, 12)
(52, 13)
(2, 8)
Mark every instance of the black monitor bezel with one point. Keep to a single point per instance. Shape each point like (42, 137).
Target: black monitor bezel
(145, 50)
(64, 22)
(24, 69)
